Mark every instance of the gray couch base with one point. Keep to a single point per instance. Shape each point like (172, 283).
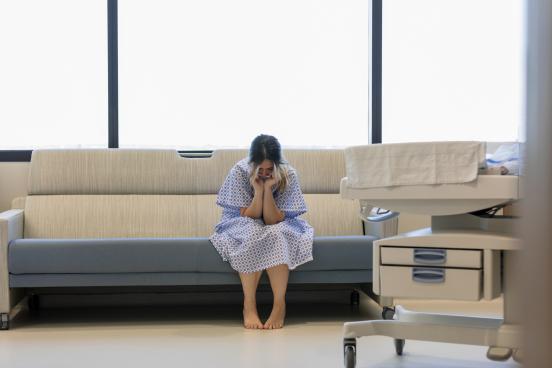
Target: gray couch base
(174, 279)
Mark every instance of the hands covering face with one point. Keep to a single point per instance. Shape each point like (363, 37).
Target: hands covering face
(265, 176)
(269, 181)
(257, 184)
(264, 182)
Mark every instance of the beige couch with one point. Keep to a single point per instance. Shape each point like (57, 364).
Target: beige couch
(136, 217)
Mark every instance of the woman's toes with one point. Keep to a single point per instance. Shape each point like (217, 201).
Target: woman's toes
(251, 319)
(276, 319)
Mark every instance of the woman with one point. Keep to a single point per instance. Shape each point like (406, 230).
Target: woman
(260, 229)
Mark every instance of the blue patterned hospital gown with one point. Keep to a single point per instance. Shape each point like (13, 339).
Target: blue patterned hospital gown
(250, 245)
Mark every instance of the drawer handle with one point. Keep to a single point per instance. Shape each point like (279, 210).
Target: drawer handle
(430, 256)
(428, 275)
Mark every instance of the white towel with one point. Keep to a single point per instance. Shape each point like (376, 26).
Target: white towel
(382, 165)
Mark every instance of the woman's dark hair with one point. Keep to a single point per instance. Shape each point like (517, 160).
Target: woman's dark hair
(265, 147)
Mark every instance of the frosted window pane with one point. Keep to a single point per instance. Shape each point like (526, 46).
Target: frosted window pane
(453, 70)
(207, 74)
(53, 74)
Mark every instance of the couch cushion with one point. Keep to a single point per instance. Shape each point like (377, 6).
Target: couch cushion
(162, 216)
(340, 253)
(43, 256)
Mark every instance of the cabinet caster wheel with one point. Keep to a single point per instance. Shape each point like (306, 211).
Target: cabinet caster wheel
(4, 321)
(399, 346)
(388, 313)
(349, 353)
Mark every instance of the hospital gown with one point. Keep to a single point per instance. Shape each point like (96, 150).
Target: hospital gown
(248, 244)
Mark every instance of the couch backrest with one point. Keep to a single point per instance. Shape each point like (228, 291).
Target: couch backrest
(141, 193)
(141, 171)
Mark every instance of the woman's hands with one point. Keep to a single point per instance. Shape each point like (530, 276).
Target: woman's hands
(270, 182)
(258, 185)
(255, 210)
(261, 184)
(271, 214)
(263, 204)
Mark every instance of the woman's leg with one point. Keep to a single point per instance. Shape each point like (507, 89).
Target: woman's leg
(278, 276)
(249, 284)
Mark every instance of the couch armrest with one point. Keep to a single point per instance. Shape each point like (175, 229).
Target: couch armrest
(11, 227)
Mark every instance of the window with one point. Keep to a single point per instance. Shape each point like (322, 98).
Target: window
(210, 74)
(453, 70)
(53, 74)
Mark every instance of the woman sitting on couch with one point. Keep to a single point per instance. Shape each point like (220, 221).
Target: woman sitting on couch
(260, 228)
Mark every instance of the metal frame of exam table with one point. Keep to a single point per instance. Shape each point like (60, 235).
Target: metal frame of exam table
(449, 230)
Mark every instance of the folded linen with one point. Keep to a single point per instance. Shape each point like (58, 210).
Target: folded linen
(382, 165)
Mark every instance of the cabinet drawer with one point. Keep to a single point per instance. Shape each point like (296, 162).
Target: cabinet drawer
(431, 257)
(430, 283)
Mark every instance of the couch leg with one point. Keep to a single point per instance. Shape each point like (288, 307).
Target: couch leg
(355, 298)
(4, 321)
(33, 302)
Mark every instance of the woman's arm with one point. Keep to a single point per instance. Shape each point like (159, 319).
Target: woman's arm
(255, 210)
(271, 214)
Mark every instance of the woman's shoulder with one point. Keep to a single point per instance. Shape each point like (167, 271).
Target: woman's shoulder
(242, 166)
(290, 170)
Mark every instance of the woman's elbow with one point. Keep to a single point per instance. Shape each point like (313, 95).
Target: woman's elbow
(244, 212)
(274, 221)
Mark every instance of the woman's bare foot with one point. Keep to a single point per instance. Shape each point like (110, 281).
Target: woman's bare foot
(276, 319)
(251, 317)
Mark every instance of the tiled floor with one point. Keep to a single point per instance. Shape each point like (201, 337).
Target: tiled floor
(213, 336)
